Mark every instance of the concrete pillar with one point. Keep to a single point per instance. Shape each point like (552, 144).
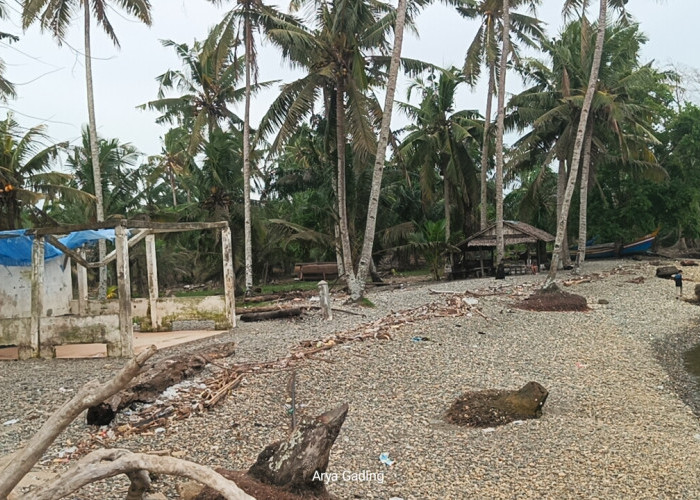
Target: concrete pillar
(126, 326)
(325, 297)
(82, 285)
(28, 341)
(152, 266)
(229, 279)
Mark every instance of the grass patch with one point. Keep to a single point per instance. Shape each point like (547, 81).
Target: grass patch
(199, 293)
(411, 273)
(365, 302)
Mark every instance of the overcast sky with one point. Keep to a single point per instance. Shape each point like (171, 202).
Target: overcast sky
(51, 82)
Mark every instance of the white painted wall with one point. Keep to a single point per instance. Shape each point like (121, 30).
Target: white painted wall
(16, 289)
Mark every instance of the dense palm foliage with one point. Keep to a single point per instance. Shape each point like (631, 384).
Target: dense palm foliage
(299, 187)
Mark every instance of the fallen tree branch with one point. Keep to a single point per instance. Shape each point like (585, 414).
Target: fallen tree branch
(89, 395)
(103, 464)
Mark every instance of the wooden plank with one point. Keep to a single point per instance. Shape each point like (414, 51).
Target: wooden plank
(229, 279)
(169, 227)
(63, 248)
(70, 228)
(113, 254)
(126, 327)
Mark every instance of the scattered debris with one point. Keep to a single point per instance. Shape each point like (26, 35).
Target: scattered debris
(384, 458)
(553, 299)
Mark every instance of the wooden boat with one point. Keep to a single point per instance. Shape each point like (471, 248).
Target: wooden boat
(612, 250)
(641, 245)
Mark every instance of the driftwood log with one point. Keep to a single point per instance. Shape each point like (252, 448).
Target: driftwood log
(154, 379)
(291, 468)
(89, 395)
(264, 316)
(497, 407)
(103, 463)
(106, 463)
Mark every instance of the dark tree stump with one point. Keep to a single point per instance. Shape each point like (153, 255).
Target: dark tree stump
(666, 271)
(497, 407)
(153, 380)
(688, 263)
(290, 469)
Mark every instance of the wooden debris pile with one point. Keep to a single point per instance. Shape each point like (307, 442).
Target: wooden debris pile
(191, 398)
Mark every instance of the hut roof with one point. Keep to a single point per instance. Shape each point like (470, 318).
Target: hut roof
(514, 232)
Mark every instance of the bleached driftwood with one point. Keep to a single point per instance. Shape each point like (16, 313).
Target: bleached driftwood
(89, 395)
(103, 464)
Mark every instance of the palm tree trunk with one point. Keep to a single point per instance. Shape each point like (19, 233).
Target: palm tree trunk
(583, 205)
(448, 203)
(561, 188)
(500, 128)
(172, 185)
(373, 206)
(94, 153)
(246, 162)
(341, 194)
(578, 144)
(484, 220)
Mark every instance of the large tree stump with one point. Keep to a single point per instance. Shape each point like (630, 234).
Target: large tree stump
(291, 468)
(497, 407)
(154, 379)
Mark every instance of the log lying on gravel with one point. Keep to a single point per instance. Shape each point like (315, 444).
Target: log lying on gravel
(497, 407)
(666, 271)
(291, 468)
(264, 316)
(155, 378)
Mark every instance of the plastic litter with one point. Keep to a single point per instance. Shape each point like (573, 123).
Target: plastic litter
(11, 422)
(384, 458)
(67, 451)
(420, 339)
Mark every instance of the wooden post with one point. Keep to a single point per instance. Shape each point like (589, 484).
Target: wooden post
(152, 266)
(325, 297)
(28, 341)
(126, 327)
(82, 285)
(229, 291)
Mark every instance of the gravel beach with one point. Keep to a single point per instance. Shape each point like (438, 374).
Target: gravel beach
(621, 421)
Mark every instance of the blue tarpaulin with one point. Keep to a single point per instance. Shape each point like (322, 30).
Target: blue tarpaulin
(16, 246)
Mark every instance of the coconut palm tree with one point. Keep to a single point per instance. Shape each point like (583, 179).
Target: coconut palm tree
(581, 130)
(484, 50)
(25, 173)
(7, 89)
(338, 54)
(439, 143)
(56, 16)
(251, 17)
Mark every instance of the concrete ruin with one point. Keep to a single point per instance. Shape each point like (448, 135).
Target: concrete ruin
(39, 312)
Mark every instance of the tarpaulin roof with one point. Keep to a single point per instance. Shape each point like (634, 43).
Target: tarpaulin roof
(16, 246)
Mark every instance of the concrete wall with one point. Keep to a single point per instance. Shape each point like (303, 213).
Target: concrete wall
(180, 307)
(16, 289)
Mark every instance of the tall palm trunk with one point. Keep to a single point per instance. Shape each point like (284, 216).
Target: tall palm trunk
(500, 128)
(172, 185)
(484, 219)
(561, 188)
(94, 153)
(357, 288)
(341, 190)
(246, 161)
(583, 202)
(448, 205)
(578, 144)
